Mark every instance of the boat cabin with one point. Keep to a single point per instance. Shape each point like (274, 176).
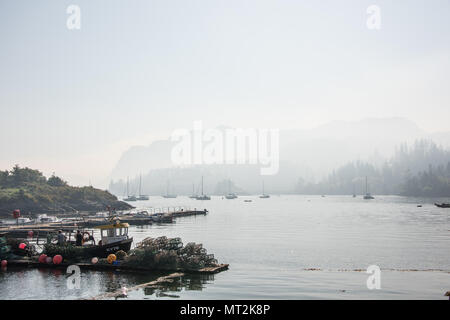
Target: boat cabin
(114, 232)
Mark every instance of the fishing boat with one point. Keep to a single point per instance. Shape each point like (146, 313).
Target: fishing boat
(368, 196)
(264, 196)
(203, 196)
(442, 205)
(141, 196)
(113, 237)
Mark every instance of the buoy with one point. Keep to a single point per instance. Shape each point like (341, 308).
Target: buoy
(94, 260)
(30, 234)
(42, 258)
(111, 258)
(48, 260)
(22, 246)
(4, 263)
(57, 259)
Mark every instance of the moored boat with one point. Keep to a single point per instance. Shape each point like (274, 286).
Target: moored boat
(442, 205)
(368, 196)
(203, 196)
(44, 218)
(113, 237)
(264, 195)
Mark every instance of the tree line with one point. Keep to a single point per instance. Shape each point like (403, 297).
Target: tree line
(422, 169)
(20, 177)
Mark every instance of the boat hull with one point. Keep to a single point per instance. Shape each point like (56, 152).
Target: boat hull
(105, 250)
(442, 205)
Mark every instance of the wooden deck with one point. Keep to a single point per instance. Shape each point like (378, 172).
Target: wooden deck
(109, 267)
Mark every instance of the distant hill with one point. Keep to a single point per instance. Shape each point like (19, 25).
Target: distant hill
(311, 154)
(29, 191)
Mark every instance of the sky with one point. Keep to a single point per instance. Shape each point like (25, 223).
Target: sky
(72, 101)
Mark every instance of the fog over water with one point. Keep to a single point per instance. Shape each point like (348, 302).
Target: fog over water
(82, 102)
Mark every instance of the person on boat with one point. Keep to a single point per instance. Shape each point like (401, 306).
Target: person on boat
(79, 239)
(61, 238)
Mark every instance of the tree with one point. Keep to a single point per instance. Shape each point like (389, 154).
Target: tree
(55, 181)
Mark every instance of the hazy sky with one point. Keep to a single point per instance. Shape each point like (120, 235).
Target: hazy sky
(73, 100)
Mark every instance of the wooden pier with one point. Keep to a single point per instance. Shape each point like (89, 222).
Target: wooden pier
(186, 213)
(28, 263)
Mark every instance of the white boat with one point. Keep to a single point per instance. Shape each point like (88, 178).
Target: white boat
(103, 214)
(141, 196)
(230, 195)
(129, 198)
(264, 195)
(23, 220)
(43, 218)
(203, 196)
(368, 196)
(168, 195)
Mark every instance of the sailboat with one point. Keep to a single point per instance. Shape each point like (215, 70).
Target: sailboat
(354, 193)
(141, 196)
(193, 195)
(168, 195)
(129, 198)
(203, 196)
(368, 196)
(230, 195)
(264, 196)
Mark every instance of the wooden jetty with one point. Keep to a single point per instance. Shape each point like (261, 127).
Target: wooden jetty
(29, 263)
(186, 213)
(41, 230)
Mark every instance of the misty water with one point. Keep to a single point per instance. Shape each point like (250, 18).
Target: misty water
(284, 247)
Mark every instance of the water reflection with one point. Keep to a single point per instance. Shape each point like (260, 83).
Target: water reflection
(190, 282)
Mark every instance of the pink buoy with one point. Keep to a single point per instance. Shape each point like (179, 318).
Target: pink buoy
(22, 246)
(4, 263)
(57, 259)
(30, 234)
(42, 258)
(48, 260)
(94, 260)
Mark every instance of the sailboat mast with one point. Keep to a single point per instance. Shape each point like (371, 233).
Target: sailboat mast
(366, 186)
(140, 184)
(202, 185)
(128, 182)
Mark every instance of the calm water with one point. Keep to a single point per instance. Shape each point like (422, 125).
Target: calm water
(271, 245)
